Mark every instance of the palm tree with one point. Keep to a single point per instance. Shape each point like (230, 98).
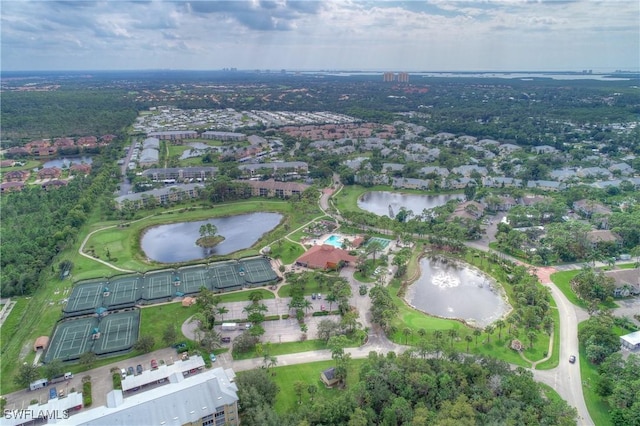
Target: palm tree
(256, 296)
(452, 333)
(468, 339)
(407, 332)
(221, 311)
(374, 247)
(331, 298)
(489, 330)
(500, 324)
(422, 332)
(477, 333)
(306, 305)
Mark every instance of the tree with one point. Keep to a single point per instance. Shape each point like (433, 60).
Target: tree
(26, 374)
(406, 332)
(489, 330)
(453, 333)
(468, 339)
(500, 324)
(469, 192)
(211, 340)
(532, 336)
(53, 369)
(145, 344)
(374, 247)
(208, 230)
(221, 311)
(170, 335)
(88, 358)
(477, 333)
(298, 388)
(312, 389)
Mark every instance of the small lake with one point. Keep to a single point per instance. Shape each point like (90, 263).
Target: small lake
(448, 290)
(382, 203)
(68, 161)
(176, 242)
(197, 149)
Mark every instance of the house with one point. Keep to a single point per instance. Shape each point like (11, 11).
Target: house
(16, 176)
(503, 203)
(603, 236)
(546, 185)
(627, 282)
(631, 341)
(410, 183)
(162, 195)
(328, 377)
(80, 169)
(325, 256)
(7, 163)
(49, 173)
(588, 208)
(11, 186)
(224, 136)
(180, 174)
(55, 183)
(174, 135)
(471, 210)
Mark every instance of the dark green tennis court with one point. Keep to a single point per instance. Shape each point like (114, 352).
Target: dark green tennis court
(224, 276)
(85, 298)
(256, 271)
(193, 278)
(122, 291)
(71, 338)
(158, 285)
(118, 332)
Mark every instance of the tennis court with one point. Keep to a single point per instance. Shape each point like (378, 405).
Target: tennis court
(122, 291)
(118, 332)
(224, 276)
(194, 278)
(257, 270)
(85, 298)
(382, 241)
(158, 285)
(71, 338)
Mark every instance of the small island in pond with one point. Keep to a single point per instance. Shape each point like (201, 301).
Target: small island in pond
(208, 237)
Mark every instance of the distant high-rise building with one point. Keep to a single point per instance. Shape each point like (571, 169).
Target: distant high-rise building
(401, 77)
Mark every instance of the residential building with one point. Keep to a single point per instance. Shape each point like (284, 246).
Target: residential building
(161, 195)
(631, 341)
(224, 136)
(208, 398)
(603, 236)
(49, 173)
(272, 188)
(181, 174)
(627, 282)
(174, 135)
(11, 186)
(16, 176)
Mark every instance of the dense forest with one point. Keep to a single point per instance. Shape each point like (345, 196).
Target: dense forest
(408, 389)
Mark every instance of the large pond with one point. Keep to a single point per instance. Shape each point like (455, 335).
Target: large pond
(177, 242)
(384, 203)
(450, 290)
(68, 161)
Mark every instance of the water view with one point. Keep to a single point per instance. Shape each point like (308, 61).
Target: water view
(68, 161)
(384, 203)
(449, 290)
(176, 242)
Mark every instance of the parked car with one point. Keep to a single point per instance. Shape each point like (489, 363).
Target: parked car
(139, 369)
(226, 339)
(131, 371)
(123, 373)
(154, 364)
(180, 347)
(572, 359)
(313, 296)
(322, 308)
(319, 296)
(212, 357)
(52, 393)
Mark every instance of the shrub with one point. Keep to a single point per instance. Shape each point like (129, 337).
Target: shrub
(86, 393)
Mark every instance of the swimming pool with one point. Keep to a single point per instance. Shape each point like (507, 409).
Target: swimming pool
(334, 240)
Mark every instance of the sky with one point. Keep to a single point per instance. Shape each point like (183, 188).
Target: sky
(434, 35)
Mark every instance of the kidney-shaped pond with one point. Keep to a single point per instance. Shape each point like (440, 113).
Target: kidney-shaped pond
(385, 203)
(176, 242)
(449, 290)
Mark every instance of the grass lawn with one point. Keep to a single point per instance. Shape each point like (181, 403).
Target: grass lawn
(275, 349)
(598, 408)
(286, 251)
(287, 400)
(555, 357)
(155, 319)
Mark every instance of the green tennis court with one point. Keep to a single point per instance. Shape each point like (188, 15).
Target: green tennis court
(224, 276)
(118, 332)
(257, 271)
(122, 291)
(158, 285)
(71, 338)
(193, 279)
(85, 298)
